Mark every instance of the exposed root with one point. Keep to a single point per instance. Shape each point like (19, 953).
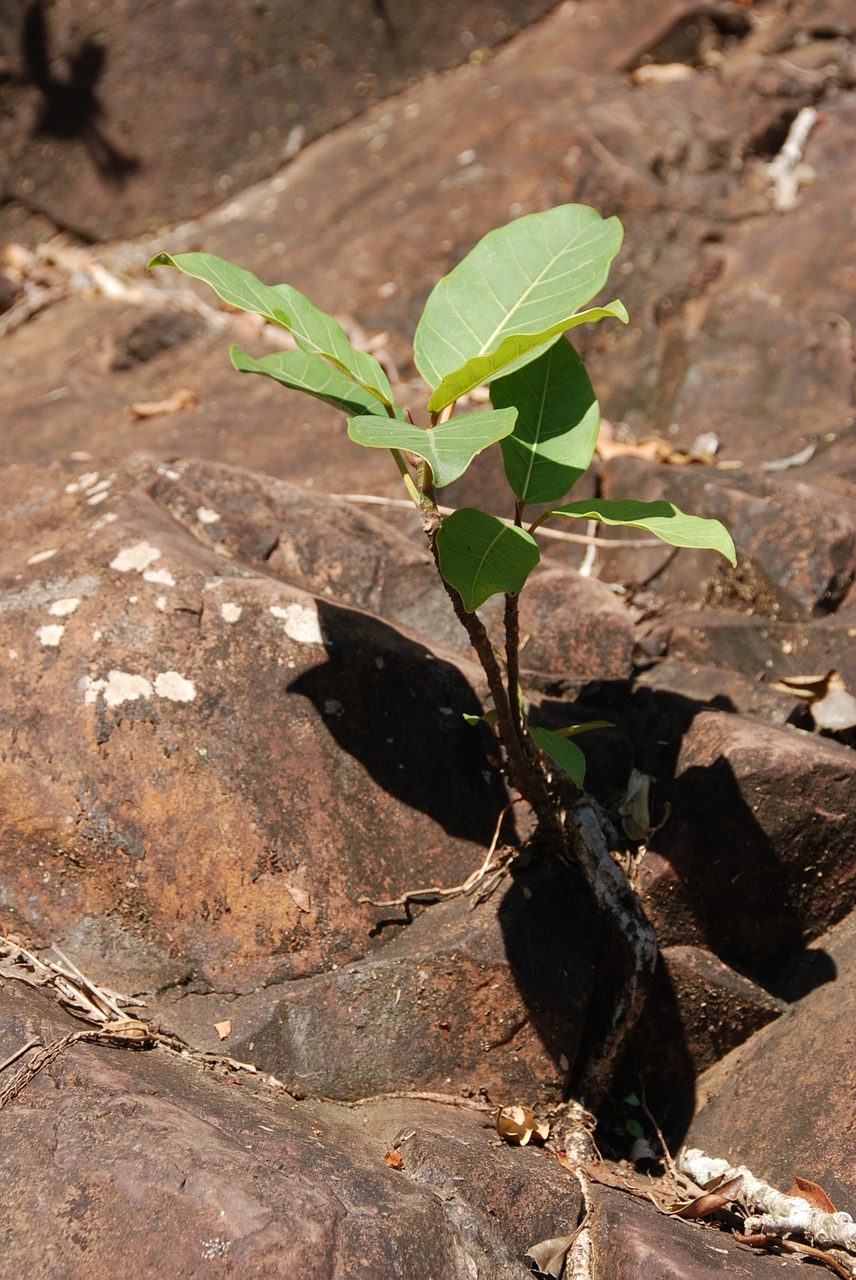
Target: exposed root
(585, 830)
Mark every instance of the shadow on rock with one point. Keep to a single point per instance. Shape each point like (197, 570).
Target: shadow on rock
(392, 704)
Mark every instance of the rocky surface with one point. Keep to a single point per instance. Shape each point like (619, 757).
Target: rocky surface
(192, 806)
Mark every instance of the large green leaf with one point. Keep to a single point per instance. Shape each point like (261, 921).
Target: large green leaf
(513, 353)
(566, 754)
(663, 519)
(521, 285)
(556, 430)
(448, 448)
(481, 556)
(314, 331)
(302, 371)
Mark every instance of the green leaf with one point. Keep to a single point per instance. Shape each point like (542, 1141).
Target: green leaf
(566, 755)
(518, 289)
(448, 448)
(663, 519)
(481, 556)
(489, 717)
(513, 353)
(314, 331)
(555, 434)
(571, 730)
(302, 371)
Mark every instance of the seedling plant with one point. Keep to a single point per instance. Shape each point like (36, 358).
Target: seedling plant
(499, 318)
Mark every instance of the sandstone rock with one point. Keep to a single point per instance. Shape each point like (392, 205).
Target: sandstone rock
(756, 857)
(783, 1102)
(206, 759)
(574, 627)
(797, 544)
(104, 1145)
(494, 998)
(109, 127)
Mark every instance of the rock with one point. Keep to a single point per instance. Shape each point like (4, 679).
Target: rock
(103, 98)
(698, 1009)
(575, 627)
(104, 1143)
(717, 687)
(755, 859)
(629, 1239)
(761, 649)
(494, 997)
(782, 1103)
(207, 759)
(797, 544)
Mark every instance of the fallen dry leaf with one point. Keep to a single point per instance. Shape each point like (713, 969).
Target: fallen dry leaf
(549, 1255)
(183, 399)
(813, 1193)
(223, 1029)
(661, 73)
(518, 1125)
(394, 1159)
(300, 897)
(831, 704)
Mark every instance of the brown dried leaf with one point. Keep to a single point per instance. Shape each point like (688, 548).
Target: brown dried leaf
(549, 1255)
(177, 403)
(300, 897)
(394, 1159)
(518, 1125)
(813, 1193)
(223, 1028)
(708, 1203)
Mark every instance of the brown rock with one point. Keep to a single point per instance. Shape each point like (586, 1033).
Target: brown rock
(206, 759)
(142, 1157)
(796, 544)
(792, 1084)
(494, 997)
(630, 1239)
(573, 627)
(110, 128)
(756, 856)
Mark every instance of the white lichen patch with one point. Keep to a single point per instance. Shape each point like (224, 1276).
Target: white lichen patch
(230, 612)
(97, 498)
(205, 515)
(175, 687)
(161, 603)
(162, 577)
(138, 557)
(62, 608)
(99, 487)
(119, 687)
(82, 482)
(107, 518)
(50, 636)
(301, 622)
(42, 555)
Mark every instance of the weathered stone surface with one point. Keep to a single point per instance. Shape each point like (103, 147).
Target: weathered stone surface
(783, 1102)
(109, 127)
(142, 1162)
(631, 1243)
(698, 1009)
(201, 757)
(757, 855)
(576, 627)
(797, 544)
(493, 998)
(717, 686)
